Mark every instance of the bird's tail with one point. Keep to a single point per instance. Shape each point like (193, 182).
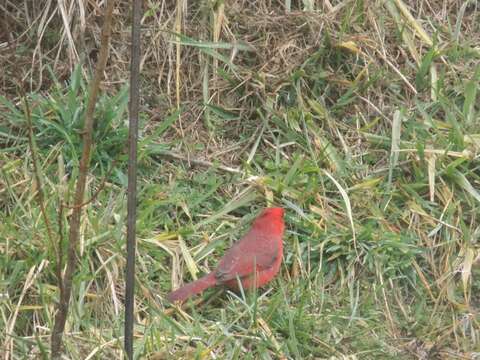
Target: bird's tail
(192, 288)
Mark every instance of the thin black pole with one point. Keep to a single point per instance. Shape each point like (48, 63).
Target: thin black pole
(132, 176)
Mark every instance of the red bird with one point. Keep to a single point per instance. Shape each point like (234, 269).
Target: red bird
(255, 259)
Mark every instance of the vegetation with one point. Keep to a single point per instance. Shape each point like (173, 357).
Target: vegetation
(359, 118)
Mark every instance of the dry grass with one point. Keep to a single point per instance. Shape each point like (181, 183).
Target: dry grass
(360, 118)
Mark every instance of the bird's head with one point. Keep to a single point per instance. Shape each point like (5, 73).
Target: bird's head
(274, 212)
(271, 220)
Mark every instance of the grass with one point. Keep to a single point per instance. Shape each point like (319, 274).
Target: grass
(365, 132)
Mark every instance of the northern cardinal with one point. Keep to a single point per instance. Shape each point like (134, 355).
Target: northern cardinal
(261, 249)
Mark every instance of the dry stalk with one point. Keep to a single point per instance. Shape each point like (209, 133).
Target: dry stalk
(74, 232)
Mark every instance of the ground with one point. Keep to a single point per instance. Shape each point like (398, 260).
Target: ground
(360, 118)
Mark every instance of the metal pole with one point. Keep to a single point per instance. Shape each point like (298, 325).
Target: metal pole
(132, 177)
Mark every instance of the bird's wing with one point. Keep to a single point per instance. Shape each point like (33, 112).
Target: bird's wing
(252, 250)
